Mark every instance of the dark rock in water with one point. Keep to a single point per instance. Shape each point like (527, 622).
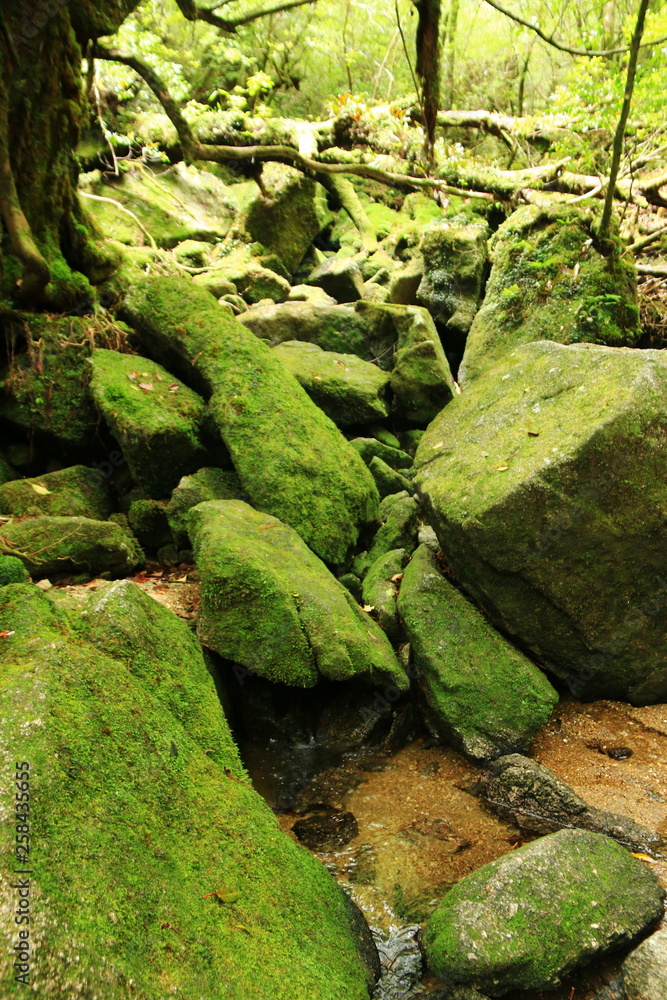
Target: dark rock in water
(157, 426)
(484, 696)
(544, 482)
(271, 605)
(327, 790)
(326, 830)
(549, 281)
(645, 969)
(531, 795)
(73, 492)
(495, 929)
(290, 458)
(349, 390)
(340, 278)
(48, 545)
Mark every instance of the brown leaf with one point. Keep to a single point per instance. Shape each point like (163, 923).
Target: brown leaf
(397, 577)
(173, 387)
(502, 468)
(147, 386)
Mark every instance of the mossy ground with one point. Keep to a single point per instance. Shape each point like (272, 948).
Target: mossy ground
(133, 826)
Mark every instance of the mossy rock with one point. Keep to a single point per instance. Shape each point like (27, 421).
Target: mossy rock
(370, 448)
(46, 384)
(495, 929)
(550, 282)
(545, 484)
(159, 648)
(149, 523)
(138, 829)
(193, 253)
(380, 590)
(387, 480)
(340, 277)
(48, 545)
(12, 570)
(205, 484)
(347, 389)
(421, 379)
(268, 603)
(399, 513)
(157, 426)
(292, 461)
(76, 492)
(247, 274)
(454, 259)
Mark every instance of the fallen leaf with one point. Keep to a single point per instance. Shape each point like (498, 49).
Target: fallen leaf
(533, 434)
(42, 490)
(368, 607)
(147, 386)
(241, 927)
(173, 387)
(644, 857)
(502, 468)
(225, 894)
(5, 635)
(181, 579)
(397, 577)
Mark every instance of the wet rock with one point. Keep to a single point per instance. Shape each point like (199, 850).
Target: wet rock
(542, 483)
(205, 484)
(347, 389)
(77, 491)
(454, 264)
(399, 513)
(290, 458)
(494, 929)
(48, 545)
(484, 697)
(421, 379)
(645, 969)
(364, 865)
(327, 830)
(113, 754)
(534, 798)
(388, 480)
(12, 570)
(380, 590)
(158, 427)
(340, 278)
(550, 282)
(271, 605)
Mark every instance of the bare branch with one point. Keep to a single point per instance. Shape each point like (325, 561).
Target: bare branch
(550, 40)
(193, 13)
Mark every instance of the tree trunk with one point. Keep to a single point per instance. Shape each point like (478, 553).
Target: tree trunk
(49, 252)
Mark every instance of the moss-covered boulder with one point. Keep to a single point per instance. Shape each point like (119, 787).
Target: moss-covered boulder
(270, 604)
(155, 418)
(550, 282)
(525, 920)
(340, 277)
(290, 458)
(483, 696)
(380, 590)
(421, 379)
(370, 448)
(399, 513)
(159, 648)
(205, 484)
(154, 872)
(149, 523)
(454, 259)
(247, 274)
(47, 545)
(545, 483)
(347, 389)
(77, 492)
(12, 570)
(387, 480)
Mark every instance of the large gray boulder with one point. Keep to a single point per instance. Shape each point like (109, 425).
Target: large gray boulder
(483, 696)
(545, 484)
(525, 920)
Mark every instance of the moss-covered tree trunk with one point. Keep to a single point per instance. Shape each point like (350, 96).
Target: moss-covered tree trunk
(48, 252)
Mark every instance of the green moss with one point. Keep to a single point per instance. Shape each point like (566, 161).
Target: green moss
(247, 275)
(454, 264)
(271, 604)
(134, 827)
(148, 521)
(549, 282)
(399, 513)
(205, 484)
(12, 570)
(290, 458)
(387, 480)
(370, 448)
(48, 545)
(380, 590)
(157, 426)
(76, 492)
(421, 379)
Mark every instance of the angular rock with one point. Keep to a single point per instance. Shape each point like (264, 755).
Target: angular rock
(331, 327)
(399, 513)
(271, 605)
(484, 697)
(545, 486)
(387, 480)
(495, 929)
(347, 389)
(380, 590)
(454, 265)
(205, 484)
(193, 253)
(645, 969)
(290, 458)
(47, 545)
(550, 282)
(137, 826)
(421, 379)
(535, 799)
(340, 278)
(149, 524)
(405, 283)
(158, 426)
(77, 491)
(12, 570)
(248, 276)
(309, 293)
(370, 448)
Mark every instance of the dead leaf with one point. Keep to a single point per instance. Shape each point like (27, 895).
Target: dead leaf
(147, 386)
(502, 468)
(396, 577)
(225, 894)
(241, 927)
(181, 579)
(5, 635)
(644, 857)
(533, 434)
(42, 490)
(368, 607)
(173, 387)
